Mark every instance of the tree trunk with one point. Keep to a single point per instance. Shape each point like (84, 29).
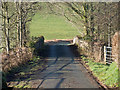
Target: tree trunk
(92, 28)
(7, 30)
(92, 21)
(25, 36)
(86, 18)
(20, 23)
(18, 28)
(98, 33)
(86, 24)
(6, 25)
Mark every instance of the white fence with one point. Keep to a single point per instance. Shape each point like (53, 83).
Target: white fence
(108, 57)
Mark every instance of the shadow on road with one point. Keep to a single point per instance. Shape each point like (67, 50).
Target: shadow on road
(56, 50)
(58, 64)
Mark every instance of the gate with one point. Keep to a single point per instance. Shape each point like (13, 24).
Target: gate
(108, 55)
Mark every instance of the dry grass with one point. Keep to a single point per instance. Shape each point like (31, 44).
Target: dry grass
(15, 58)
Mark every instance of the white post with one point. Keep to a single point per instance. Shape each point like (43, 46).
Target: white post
(105, 54)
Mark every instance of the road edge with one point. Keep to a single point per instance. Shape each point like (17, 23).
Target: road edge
(90, 73)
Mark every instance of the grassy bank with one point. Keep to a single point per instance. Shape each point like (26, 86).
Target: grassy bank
(52, 27)
(107, 74)
(20, 77)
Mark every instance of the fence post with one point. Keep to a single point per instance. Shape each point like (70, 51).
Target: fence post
(105, 54)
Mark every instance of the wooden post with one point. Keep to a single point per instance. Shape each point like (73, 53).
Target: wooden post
(105, 54)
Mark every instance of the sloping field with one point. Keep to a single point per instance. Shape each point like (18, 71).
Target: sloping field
(52, 27)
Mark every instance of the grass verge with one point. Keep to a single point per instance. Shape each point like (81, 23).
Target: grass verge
(107, 74)
(22, 76)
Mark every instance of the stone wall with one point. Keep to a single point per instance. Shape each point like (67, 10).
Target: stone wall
(39, 43)
(116, 47)
(83, 45)
(98, 48)
(97, 53)
(80, 43)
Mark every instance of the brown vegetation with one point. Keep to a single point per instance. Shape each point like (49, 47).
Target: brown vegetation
(15, 58)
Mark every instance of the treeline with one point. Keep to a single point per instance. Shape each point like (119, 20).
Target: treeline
(99, 19)
(16, 17)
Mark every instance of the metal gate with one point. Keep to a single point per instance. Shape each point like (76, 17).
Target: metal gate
(108, 55)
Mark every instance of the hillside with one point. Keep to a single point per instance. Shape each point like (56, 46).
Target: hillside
(52, 27)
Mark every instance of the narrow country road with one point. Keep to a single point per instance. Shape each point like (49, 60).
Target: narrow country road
(63, 71)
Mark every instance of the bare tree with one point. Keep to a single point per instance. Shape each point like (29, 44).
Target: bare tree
(16, 16)
(6, 18)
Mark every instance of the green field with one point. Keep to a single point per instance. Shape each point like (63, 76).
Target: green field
(52, 27)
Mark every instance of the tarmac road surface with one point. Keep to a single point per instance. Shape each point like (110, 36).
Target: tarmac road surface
(63, 71)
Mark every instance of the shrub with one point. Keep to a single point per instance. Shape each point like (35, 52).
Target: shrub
(3, 82)
(15, 58)
(34, 40)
